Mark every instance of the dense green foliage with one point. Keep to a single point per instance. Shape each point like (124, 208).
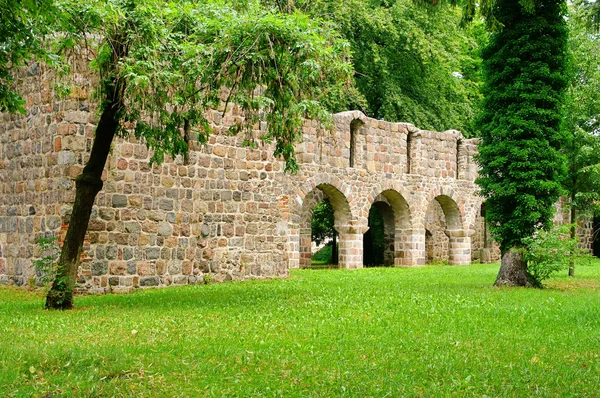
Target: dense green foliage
(323, 222)
(323, 256)
(551, 251)
(525, 81)
(409, 65)
(180, 56)
(431, 331)
(582, 121)
(23, 25)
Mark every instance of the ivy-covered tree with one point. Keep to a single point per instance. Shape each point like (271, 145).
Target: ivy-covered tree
(525, 78)
(163, 63)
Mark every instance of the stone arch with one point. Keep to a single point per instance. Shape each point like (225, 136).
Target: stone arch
(459, 237)
(451, 204)
(407, 243)
(339, 195)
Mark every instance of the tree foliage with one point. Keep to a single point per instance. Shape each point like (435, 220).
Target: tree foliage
(409, 66)
(582, 121)
(323, 222)
(162, 64)
(23, 25)
(525, 81)
(550, 251)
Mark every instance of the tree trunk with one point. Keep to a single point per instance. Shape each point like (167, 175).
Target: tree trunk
(513, 271)
(572, 261)
(87, 186)
(334, 249)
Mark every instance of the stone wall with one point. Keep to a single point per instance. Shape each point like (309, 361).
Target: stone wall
(228, 211)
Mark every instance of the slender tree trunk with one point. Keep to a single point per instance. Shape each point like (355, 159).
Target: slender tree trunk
(334, 249)
(573, 230)
(87, 186)
(513, 271)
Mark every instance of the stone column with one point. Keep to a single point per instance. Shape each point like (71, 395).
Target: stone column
(350, 246)
(305, 248)
(293, 248)
(459, 247)
(409, 247)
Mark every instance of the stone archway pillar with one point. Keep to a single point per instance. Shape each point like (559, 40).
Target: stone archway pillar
(459, 247)
(350, 246)
(409, 246)
(305, 248)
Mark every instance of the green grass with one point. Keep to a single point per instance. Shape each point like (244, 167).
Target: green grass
(432, 331)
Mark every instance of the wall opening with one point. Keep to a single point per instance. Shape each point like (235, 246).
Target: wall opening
(429, 247)
(378, 241)
(354, 132)
(436, 241)
(596, 236)
(386, 242)
(459, 165)
(328, 206)
(324, 239)
(409, 150)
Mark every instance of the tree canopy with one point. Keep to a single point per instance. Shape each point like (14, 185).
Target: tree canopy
(410, 65)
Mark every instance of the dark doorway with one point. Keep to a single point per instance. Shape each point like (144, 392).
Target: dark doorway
(374, 242)
(596, 236)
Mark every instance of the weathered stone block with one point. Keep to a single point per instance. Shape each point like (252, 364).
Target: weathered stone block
(119, 201)
(147, 281)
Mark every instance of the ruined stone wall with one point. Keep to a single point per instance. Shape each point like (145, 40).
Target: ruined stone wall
(229, 212)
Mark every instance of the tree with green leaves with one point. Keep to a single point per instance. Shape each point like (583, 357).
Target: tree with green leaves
(22, 26)
(582, 121)
(409, 66)
(522, 167)
(162, 64)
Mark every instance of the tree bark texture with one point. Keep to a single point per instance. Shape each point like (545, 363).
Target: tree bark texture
(513, 271)
(87, 186)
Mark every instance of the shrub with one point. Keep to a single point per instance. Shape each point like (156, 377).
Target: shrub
(551, 251)
(47, 265)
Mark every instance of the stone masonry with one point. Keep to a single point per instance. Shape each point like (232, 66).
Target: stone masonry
(228, 211)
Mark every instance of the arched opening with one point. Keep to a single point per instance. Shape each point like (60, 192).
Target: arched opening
(324, 236)
(326, 208)
(449, 241)
(355, 126)
(388, 239)
(436, 240)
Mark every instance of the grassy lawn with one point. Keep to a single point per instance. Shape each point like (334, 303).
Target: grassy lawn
(433, 331)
